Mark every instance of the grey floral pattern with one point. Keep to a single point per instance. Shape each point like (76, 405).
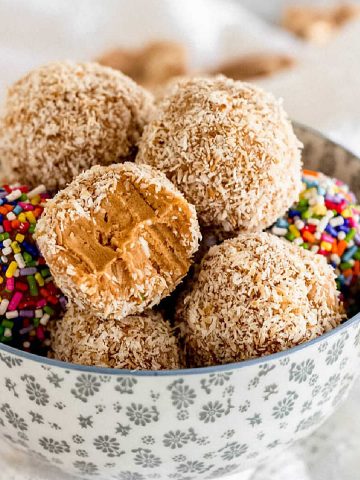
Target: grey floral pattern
(86, 386)
(313, 379)
(182, 415)
(310, 421)
(182, 395)
(316, 390)
(335, 351)
(284, 407)
(306, 406)
(223, 471)
(214, 380)
(55, 379)
(54, 446)
(192, 466)
(228, 433)
(10, 361)
(269, 390)
(13, 418)
(146, 459)
(86, 468)
(175, 439)
(81, 453)
(35, 391)
(125, 385)
(140, 415)
(330, 386)
(211, 412)
(124, 430)
(233, 450)
(129, 476)
(11, 386)
(85, 422)
(36, 417)
(357, 339)
(108, 445)
(148, 440)
(214, 410)
(244, 407)
(255, 419)
(78, 439)
(302, 371)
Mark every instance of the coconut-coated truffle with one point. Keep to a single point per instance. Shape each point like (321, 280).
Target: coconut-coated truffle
(138, 342)
(118, 239)
(255, 295)
(62, 118)
(230, 148)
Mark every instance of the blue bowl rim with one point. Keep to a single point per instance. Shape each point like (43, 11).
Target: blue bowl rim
(182, 371)
(200, 370)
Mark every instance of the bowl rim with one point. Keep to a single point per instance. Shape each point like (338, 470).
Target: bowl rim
(199, 370)
(181, 371)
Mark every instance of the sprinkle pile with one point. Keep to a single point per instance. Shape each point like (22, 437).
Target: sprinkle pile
(325, 220)
(28, 296)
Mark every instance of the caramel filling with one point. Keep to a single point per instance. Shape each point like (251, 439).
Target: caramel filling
(130, 239)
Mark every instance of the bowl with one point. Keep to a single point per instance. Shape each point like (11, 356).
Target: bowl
(181, 424)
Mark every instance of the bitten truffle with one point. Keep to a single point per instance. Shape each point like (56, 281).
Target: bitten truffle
(138, 342)
(63, 118)
(255, 295)
(230, 148)
(118, 239)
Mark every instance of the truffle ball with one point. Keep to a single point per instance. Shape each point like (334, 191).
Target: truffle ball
(28, 295)
(255, 295)
(63, 118)
(118, 239)
(138, 342)
(230, 148)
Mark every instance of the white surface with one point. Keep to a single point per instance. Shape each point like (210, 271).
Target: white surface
(323, 92)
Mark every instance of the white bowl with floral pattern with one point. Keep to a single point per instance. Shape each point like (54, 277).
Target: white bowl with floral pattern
(183, 424)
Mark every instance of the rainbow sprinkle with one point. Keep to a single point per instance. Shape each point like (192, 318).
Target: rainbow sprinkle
(325, 220)
(28, 296)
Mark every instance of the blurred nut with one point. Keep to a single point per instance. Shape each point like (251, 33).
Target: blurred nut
(318, 24)
(255, 65)
(153, 65)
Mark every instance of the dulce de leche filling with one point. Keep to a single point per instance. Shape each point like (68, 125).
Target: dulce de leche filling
(131, 239)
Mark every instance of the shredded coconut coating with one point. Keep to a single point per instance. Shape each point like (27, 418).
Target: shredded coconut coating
(230, 148)
(139, 342)
(255, 295)
(118, 239)
(63, 118)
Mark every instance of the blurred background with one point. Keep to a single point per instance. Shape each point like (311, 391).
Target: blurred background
(308, 53)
